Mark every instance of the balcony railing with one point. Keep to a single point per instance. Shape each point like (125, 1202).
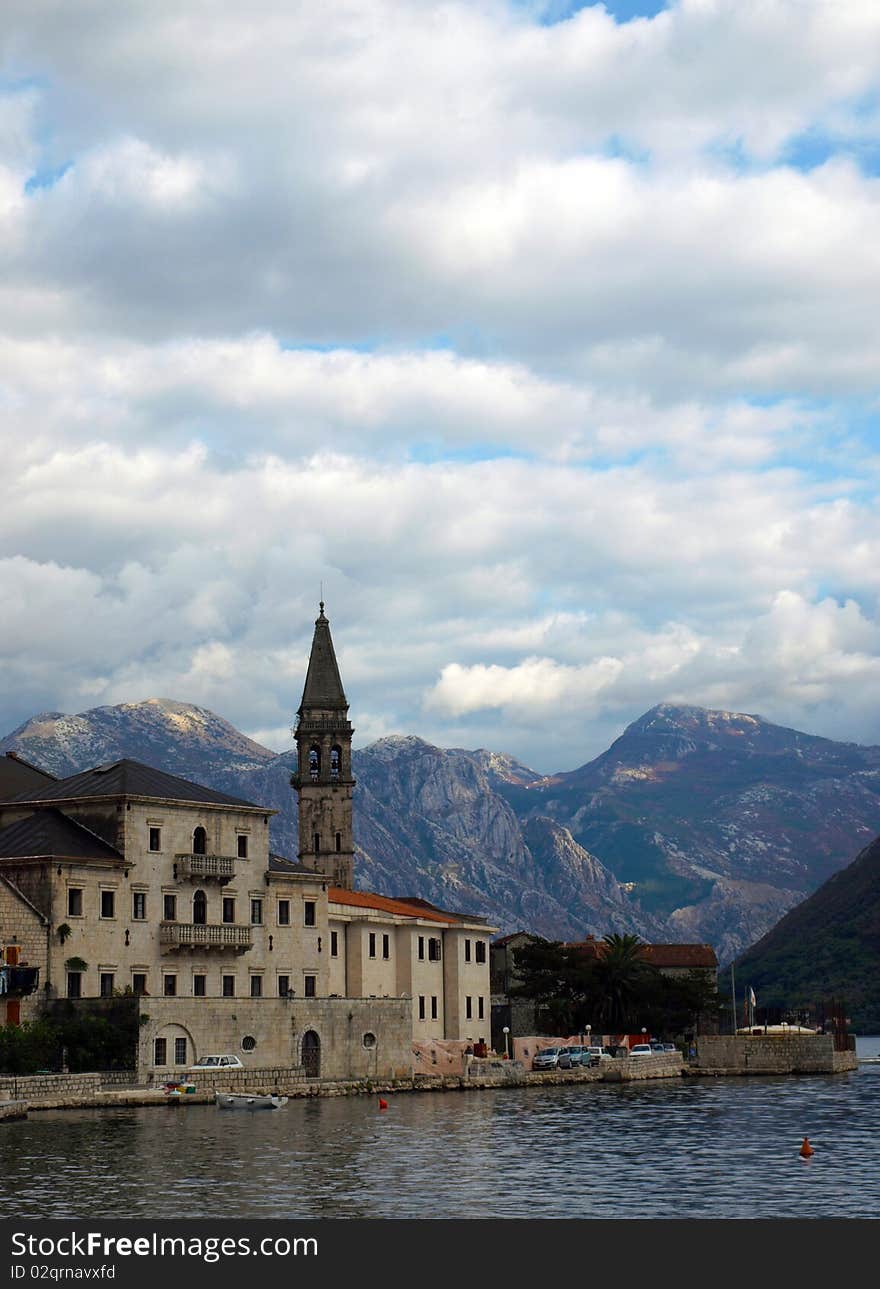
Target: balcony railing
(205, 935)
(205, 866)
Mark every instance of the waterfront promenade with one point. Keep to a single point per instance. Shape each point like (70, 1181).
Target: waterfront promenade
(715, 1057)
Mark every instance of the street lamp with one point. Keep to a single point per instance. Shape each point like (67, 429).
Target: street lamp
(506, 1031)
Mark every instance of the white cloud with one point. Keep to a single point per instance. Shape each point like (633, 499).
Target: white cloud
(531, 342)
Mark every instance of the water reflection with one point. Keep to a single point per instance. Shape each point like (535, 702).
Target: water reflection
(690, 1148)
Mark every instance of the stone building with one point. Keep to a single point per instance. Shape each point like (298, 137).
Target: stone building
(127, 879)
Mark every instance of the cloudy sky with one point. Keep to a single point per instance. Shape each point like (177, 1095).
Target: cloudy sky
(545, 335)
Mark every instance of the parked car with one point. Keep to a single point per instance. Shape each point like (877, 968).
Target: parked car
(548, 1059)
(641, 1049)
(573, 1056)
(600, 1054)
(657, 1047)
(669, 1047)
(224, 1062)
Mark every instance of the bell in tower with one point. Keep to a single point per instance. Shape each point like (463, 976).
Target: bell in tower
(323, 779)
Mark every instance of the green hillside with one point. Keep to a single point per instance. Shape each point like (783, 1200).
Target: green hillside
(826, 947)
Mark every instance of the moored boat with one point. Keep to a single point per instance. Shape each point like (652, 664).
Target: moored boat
(249, 1101)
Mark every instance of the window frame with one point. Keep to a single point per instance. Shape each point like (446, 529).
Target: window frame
(139, 898)
(107, 893)
(169, 977)
(71, 892)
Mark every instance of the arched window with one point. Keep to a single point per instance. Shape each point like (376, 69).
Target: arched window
(335, 762)
(200, 908)
(314, 763)
(339, 841)
(200, 841)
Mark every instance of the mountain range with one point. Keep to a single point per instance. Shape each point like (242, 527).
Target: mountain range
(694, 825)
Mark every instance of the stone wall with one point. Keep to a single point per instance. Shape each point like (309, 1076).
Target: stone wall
(628, 1069)
(793, 1054)
(30, 1087)
(269, 1033)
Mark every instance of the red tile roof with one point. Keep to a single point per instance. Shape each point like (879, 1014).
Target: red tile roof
(367, 900)
(659, 955)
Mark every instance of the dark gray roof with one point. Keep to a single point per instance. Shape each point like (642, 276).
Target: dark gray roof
(128, 778)
(278, 864)
(50, 833)
(323, 687)
(18, 775)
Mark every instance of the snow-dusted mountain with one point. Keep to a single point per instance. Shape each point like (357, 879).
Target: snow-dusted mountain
(694, 825)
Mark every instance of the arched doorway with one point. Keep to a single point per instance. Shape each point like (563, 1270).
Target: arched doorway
(200, 841)
(200, 908)
(311, 1054)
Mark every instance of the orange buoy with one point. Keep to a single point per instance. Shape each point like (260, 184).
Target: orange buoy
(806, 1149)
(383, 1105)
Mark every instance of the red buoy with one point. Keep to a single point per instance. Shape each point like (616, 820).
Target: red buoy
(383, 1105)
(806, 1149)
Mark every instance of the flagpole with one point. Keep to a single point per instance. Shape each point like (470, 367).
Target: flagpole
(733, 996)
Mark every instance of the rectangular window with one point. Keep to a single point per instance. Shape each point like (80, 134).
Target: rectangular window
(256, 986)
(155, 839)
(309, 986)
(74, 902)
(481, 950)
(229, 986)
(433, 1008)
(160, 1051)
(180, 1051)
(74, 984)
(421, 1006)
(169, 908)
(108, 904)
(199, 986)
(139, 906)
(480, 1008)
(228, 908)
(372, 944)
(467, 950)
(169, 986)
(256, 912)
(242, 846)
(334, 944)
(433, 950)
(308, 913)
(106, 984)
(283, 986)
(421, 948)
(468, 1008)
(139, 982)
(284, 912)
(386, 946)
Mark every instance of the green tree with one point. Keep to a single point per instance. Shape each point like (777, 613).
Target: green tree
(623, 978)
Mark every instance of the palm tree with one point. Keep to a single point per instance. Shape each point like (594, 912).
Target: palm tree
(621, 971)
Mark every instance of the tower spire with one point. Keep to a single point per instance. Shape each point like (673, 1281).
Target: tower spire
(323, 780)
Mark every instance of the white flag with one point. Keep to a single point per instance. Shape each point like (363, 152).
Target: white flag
(752, 998)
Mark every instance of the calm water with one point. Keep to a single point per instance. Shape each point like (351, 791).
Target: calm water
(682, 1148)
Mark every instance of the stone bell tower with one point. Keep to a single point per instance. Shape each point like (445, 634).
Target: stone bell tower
(323, 779)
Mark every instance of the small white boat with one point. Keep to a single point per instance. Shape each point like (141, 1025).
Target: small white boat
(248, 1101)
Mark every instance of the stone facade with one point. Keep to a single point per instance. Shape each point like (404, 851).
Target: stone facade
(25, 933)
(357, 1038)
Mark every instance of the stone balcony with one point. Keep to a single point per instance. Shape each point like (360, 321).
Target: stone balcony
(204, 868)
(205, 935)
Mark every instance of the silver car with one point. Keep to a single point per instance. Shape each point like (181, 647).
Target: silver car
(548, 1059)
